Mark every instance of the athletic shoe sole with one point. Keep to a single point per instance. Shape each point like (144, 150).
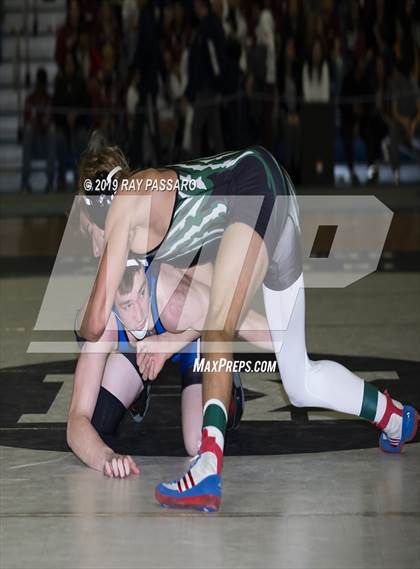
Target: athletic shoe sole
(207, 501)
(398, 449)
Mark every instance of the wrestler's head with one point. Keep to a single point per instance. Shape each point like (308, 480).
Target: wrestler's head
(132, 300)
(101, 170)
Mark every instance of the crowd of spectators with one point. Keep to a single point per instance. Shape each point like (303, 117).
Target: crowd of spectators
(172, 79)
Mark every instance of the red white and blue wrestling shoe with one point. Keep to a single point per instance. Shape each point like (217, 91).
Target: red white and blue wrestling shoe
(201, 487)
(205, 496)
(410, 420)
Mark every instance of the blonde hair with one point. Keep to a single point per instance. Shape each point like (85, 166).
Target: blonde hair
(98, 157)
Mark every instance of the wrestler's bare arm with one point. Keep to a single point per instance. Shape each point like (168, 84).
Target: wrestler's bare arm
(81, 436)
(137, 221)
(183, 305)
(118, 232)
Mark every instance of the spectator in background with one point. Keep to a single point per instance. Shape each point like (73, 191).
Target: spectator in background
(206, 68)
(337, 68)
(176, 34)
(178, 79)
(148, 60)
(71, 103)
(354, 41)
(330, 23)
(131, 107)
(378, 119)
(186, 109)
(265, 71)
(110, 82)
(89, 10)
(291, 92)
(315, 31)
(233, 108)
(106, 95)
(316, 76)
(168, 103)
(68, 34)
(88, 57)
(356, 94)
(236, 29)
(294, 25)
(405, 125)
(38, 133)
(408, 37)
(105, 28)
(130, 20)
(383, 26)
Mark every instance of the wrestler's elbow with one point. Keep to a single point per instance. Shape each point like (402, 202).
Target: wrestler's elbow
(70, 431)
(92, 329)
(77, 425)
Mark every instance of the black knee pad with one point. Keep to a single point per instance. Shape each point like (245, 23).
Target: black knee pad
(190, 377)
(108, 414)
(237, 403)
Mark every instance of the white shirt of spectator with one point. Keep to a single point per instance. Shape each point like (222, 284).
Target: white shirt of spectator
(241, 33)
(132, 99)
(130, 14)
(265, 36)
(316, 87)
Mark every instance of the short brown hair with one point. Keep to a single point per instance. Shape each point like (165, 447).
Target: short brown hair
(101, 157)
(126, 284)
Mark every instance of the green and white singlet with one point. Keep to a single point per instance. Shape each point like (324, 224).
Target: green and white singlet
(213, 192)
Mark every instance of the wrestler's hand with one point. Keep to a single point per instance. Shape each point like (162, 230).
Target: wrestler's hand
(119, 466)
(149, 359)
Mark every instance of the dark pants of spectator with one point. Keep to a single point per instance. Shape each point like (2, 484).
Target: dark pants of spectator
(69, 144)
(38, 145)
(349, 123)
(268, 111)
(262, 106)
(146, 117)
(377, 131)
(291, 141)
(206, 115)
(399, 136)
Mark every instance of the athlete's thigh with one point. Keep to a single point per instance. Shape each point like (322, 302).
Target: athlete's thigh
(122, 379)
(239, 270)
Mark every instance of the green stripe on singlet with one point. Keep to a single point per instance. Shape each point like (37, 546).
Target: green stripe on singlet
(370, 402)
(215, 417)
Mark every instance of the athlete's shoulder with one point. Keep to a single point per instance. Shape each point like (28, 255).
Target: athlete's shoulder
(124, 206)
